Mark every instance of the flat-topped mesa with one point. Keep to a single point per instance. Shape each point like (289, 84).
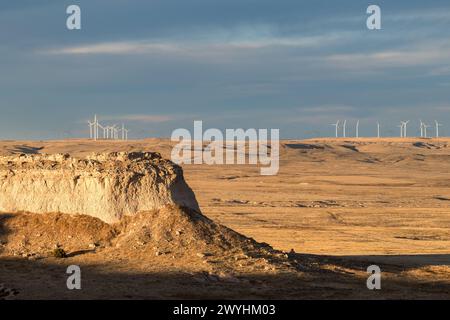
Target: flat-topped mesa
(107, 185)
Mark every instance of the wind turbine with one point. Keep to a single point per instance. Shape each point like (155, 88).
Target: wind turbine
(425, 127)
(343, 131)
(357, 129)
(93, 128)
(378, 129)
(404, 124)
(111, 133)
(115, 132)
(337, 127)
(105, 130)
(126, 133)
(91, 131)
(437, 127)
(96, 127)
(401, 130)
(421, 129)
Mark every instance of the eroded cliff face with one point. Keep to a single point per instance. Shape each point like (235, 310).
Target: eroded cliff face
(107, 186)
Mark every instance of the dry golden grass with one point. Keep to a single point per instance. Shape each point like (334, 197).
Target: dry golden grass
(346, 203)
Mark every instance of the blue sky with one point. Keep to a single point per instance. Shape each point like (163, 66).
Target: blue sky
(159, 65)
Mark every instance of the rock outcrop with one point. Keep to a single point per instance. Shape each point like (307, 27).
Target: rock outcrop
(107, 186)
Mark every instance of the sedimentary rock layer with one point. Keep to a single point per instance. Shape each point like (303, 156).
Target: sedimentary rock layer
(107, 186)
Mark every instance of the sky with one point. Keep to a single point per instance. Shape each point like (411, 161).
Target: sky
(158, 65)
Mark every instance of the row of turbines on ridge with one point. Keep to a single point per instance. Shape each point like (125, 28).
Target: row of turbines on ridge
(403, 128)
(109, 132)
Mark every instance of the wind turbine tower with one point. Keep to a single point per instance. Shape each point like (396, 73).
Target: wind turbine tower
(378, 129)
(357, 129)
(437, 128)
(93, 128)
(343, 129)
(425, 127)
(110, 132)
(115, 133)
(104, 130)
(401, 130)
(337, 127)
(404, 124)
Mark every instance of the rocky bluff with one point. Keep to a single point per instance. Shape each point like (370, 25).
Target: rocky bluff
(107, 186)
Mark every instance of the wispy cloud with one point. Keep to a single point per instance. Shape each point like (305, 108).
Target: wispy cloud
(198, 47)
(433, 15)
(424, 54)
(122, 47)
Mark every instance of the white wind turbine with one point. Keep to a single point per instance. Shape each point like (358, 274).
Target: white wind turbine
(124, 132)
(404, 124)
(401, 129)
(343, 129)
(96, 127)
(115, 132)
(110, 134)
(337, 127)
(425, 127)
(93, 128)
(105, 130)
(357, 129)
(421, 129)
(378, 129)
(437, 127)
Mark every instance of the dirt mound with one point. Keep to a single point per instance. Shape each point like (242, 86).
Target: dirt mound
(181, 231)
(171, 233)
(36, 235)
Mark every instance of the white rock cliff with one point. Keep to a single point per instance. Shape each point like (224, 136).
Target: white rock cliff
(107, 186)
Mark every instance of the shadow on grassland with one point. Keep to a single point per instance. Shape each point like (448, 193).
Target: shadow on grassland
(316, 277)
(46, 279)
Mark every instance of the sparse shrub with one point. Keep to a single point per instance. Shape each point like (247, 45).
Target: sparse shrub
(59, 253)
